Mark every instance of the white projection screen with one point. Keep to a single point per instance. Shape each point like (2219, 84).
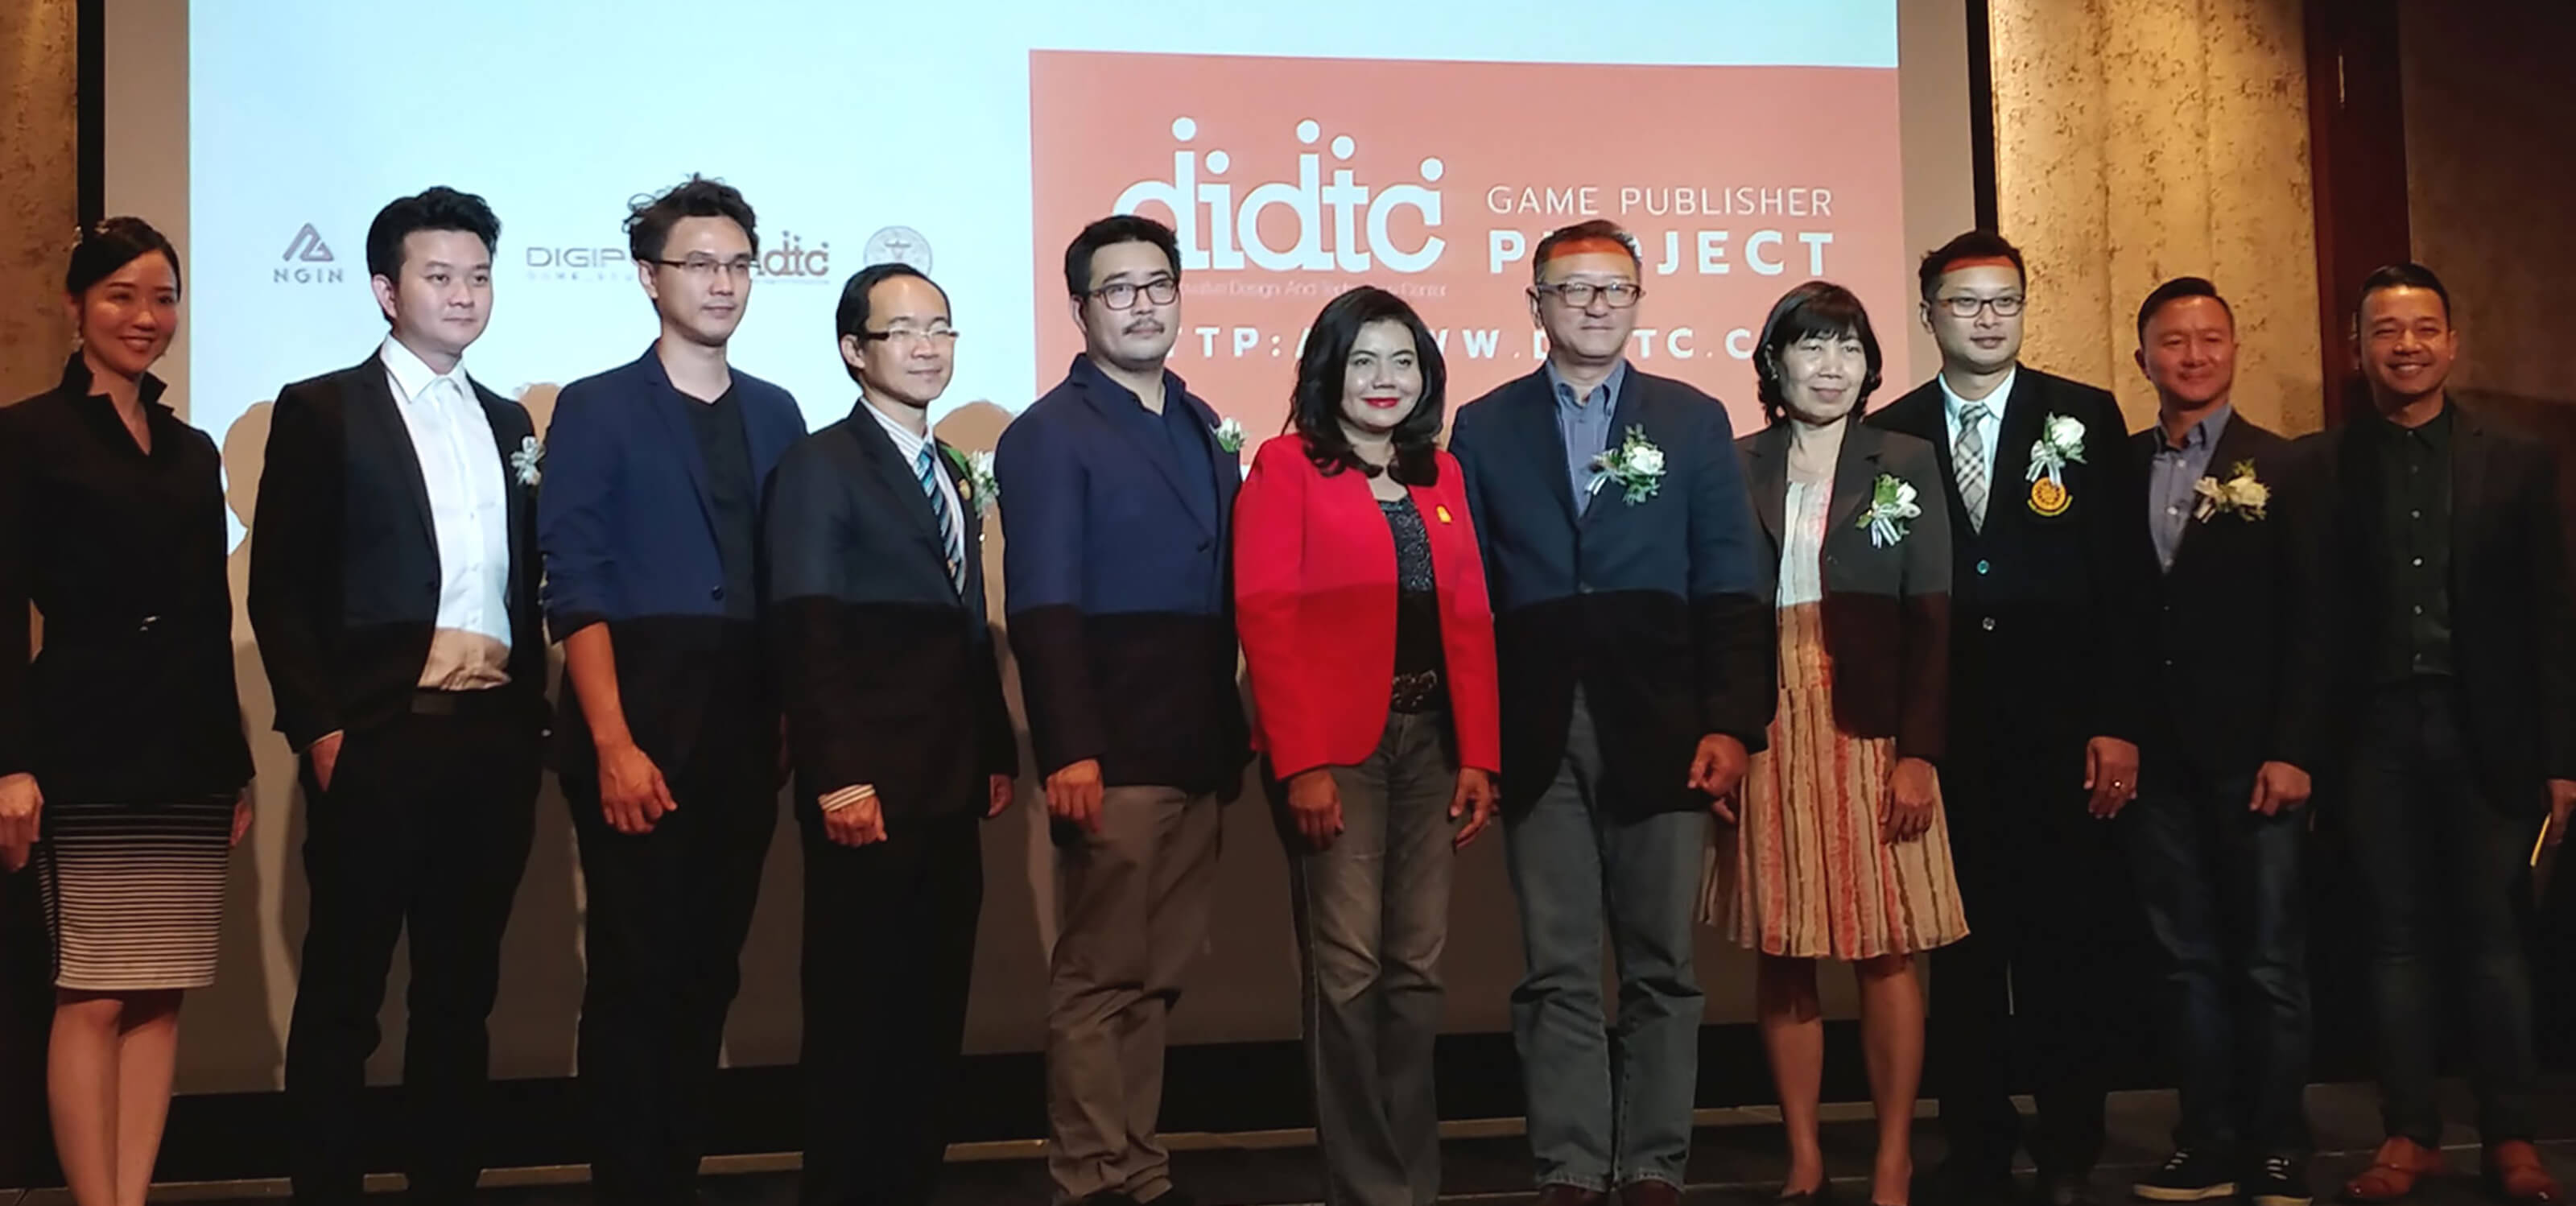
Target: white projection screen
(1301, 149)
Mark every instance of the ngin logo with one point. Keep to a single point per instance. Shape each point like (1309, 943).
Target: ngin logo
(1354, 214)
(307, 260)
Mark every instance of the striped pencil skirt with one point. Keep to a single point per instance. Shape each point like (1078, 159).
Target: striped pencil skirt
(134, 893)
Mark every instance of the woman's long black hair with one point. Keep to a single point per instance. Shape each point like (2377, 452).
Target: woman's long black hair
(1315, 405)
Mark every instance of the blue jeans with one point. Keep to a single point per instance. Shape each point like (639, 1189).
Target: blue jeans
(2224, 898)
(1608, 1105)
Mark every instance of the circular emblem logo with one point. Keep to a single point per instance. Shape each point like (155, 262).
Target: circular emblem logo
(2049, 499)
(899, 245)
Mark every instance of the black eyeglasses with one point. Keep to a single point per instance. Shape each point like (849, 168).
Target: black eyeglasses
(1966, 307)
(1579, 294)
(1161, 291)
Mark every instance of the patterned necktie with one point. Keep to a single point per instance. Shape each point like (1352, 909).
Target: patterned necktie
(950, 539)
(1969, 456)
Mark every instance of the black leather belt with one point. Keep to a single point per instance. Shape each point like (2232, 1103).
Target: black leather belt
(1417, 693)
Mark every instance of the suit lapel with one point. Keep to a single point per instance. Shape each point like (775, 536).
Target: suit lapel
(497, 416)
(1531, 413)
(2470, 468)
(1624, 411)
(2229, 450)
(896, 480)
(970, 519)
(683, 435)
(1855, 478)
(1923, 414)
(1766, 473)
(1141, 430)
(377, 419)
(2025, 413)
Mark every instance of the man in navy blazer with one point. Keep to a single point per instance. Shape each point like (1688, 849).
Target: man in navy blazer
(668, 744)
(1637, 676)
(1117, 493)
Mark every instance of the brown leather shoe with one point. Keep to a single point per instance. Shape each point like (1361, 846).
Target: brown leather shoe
(1650, 1193)
(2392, 1174)
(1570, 1195)
(2515, 1174)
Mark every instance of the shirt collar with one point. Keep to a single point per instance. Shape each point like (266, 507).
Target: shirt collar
(1175, 390)
(1951, 402)
(78, 383)
(2203, 434)
(905, 441)
(1612, 384)
(413, 376)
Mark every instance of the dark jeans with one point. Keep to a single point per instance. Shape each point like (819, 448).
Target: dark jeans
(667, 914)
(1372, 916)
(1608, 1105)
(889, 951)
(426, 828)
(2447, 879)
(2224, 898)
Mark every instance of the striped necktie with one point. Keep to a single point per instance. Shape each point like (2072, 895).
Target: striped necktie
(1969, 455)
(951, 540)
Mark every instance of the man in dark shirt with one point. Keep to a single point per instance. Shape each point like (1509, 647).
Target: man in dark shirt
(669, 742)
(2431, 577)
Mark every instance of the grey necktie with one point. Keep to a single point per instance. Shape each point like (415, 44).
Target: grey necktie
(1969, 456)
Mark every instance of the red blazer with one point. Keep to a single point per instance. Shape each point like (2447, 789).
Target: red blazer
(1314, 590)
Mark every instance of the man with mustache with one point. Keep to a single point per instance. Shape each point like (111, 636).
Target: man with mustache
(668, 743)
(1117, 493)
(2433, 595)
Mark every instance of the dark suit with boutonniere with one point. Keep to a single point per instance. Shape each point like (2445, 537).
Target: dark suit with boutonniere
(1628, 627)
(2048, 611)
(2220, 879)
(886, 667)
(393, 585)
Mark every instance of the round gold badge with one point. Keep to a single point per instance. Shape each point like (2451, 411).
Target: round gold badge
(2049, 499)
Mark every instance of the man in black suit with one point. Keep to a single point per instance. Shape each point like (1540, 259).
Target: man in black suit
(2432, 583)
(877, 628)
(393, 585)
(2217, 834)
(2046, 665)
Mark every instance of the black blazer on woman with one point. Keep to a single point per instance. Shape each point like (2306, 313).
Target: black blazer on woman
(1886, 609)
(131, 700)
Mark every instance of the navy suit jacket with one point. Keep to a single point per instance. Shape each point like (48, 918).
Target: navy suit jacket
(1653, 608)
(1121, 612)
(629, 540)
(886, 668)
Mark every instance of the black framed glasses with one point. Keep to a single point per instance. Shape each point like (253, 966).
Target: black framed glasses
(705, 267)
(1579, 294)
(1161, 291)
(2004, 306)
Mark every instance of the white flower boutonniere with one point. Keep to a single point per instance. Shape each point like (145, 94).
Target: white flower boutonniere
(1636, 466)
(1229, 434)
(975, 485)
(2242, 495)
(528, 463)
(1891, 506)
(2061, 442)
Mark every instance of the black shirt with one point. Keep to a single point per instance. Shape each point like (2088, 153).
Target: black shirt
(732, 497)
(2415, 516)
(1418, 657)
(125, 554)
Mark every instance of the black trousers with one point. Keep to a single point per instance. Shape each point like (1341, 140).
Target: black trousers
(889, 949)
(2027, 995)
(667, 914)
(426, 828)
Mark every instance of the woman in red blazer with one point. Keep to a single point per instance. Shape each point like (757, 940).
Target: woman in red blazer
(1360, 597)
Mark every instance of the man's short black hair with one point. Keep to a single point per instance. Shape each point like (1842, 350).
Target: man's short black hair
(2407, 275)
(1110, 232)
(439, 208)
(851, 316)
(649, 223)
(1974, 245)
(2175, 290)
(1597, 228)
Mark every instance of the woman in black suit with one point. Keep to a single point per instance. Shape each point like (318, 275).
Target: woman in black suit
(122, 760)
(1839, 851)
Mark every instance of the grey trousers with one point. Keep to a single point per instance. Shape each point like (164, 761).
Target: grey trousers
(1135, 902)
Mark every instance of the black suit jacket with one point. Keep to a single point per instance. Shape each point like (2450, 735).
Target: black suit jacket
(2223, 704)
(2513, 652)
(1886, 608)
(344, 572)
(1653, 608)
(2047, 613)
(887, 671)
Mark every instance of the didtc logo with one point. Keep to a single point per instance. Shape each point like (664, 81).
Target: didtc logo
(307, 260)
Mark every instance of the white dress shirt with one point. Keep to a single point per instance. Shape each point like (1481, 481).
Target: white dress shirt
(469, 507)
(1993, 426)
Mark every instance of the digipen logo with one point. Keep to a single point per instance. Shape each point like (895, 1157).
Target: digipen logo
(1351, 215)
(307, 260)
(578, 263)
(790, 259)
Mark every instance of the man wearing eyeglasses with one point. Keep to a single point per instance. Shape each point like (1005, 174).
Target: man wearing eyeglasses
(668, 744)
(2048, 624)
(873, 541)
(1117, 492)
(1637, 677)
